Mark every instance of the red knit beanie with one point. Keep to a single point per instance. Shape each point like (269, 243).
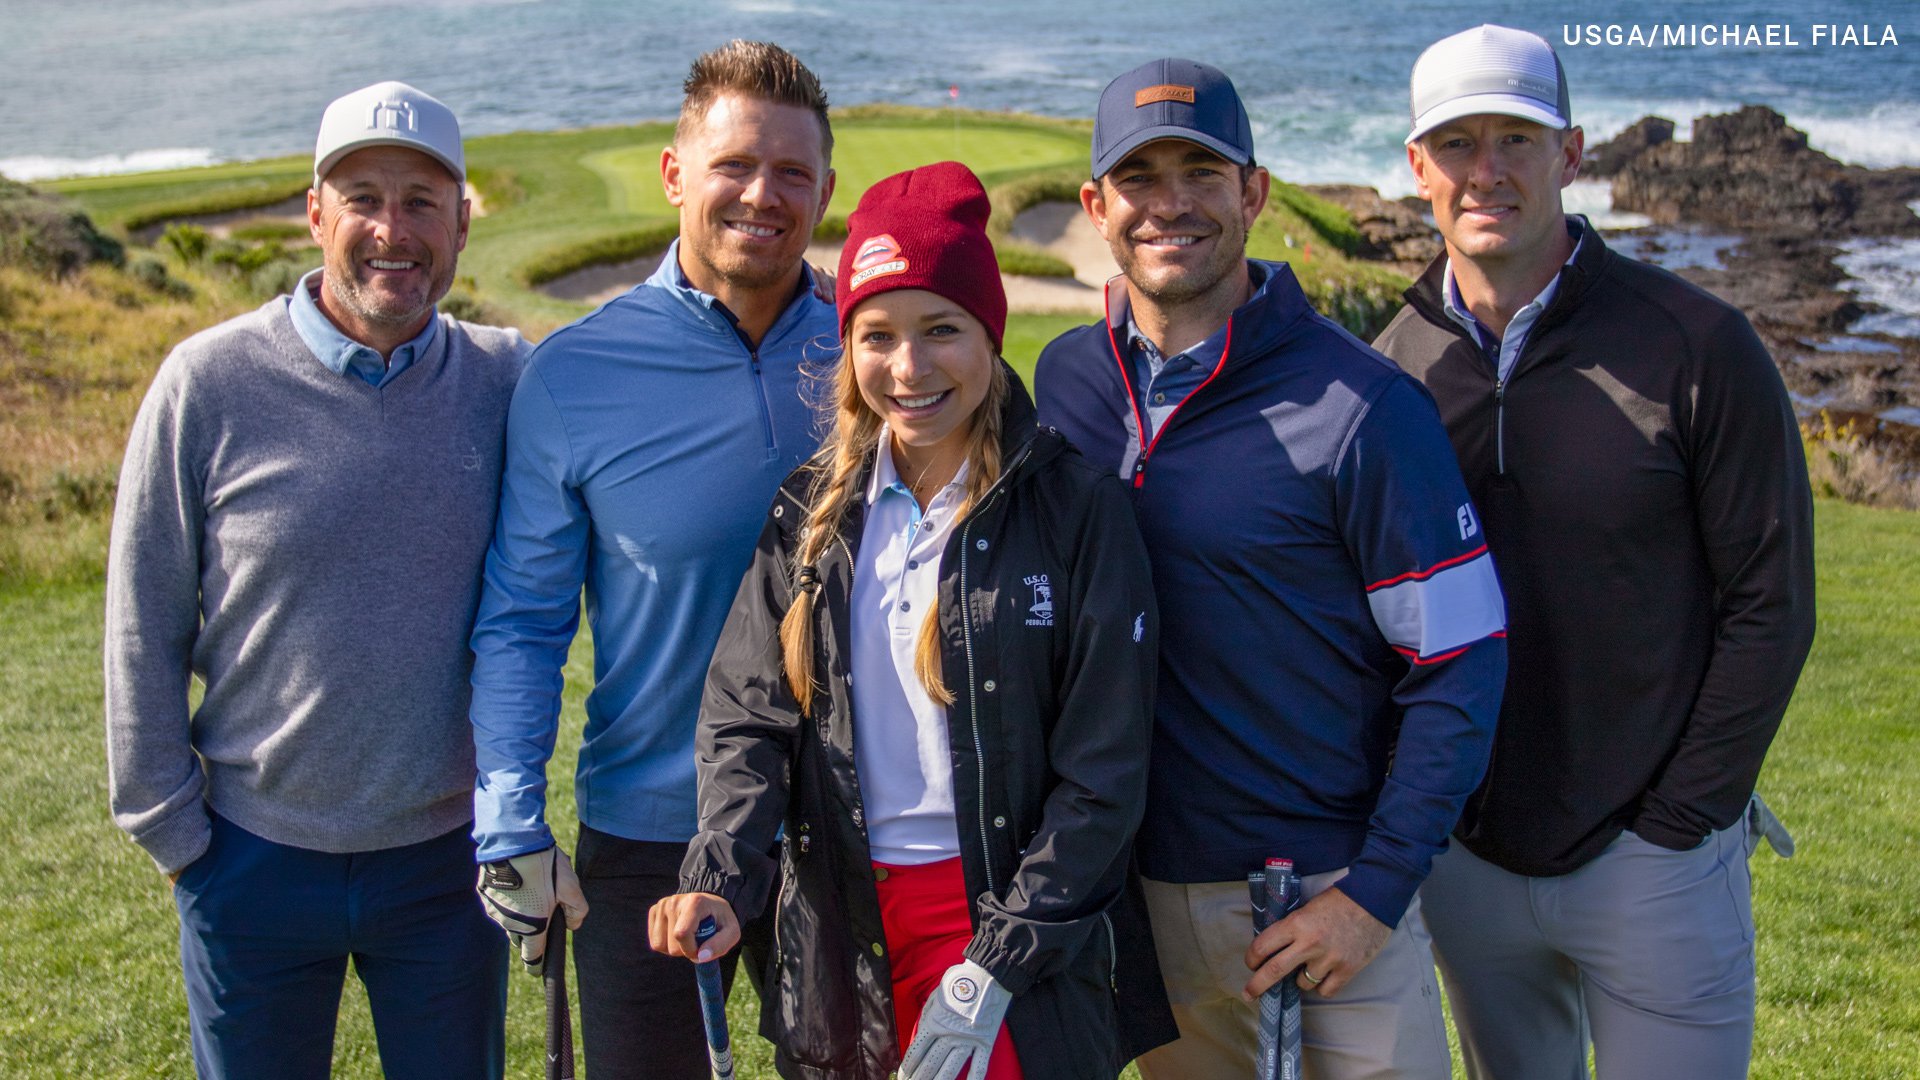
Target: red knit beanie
(925, 228)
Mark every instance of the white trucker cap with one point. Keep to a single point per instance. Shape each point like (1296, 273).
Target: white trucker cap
(388, 114)
(1489, 69)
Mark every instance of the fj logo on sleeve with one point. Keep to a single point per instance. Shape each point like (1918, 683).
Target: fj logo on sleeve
(1042, 609)
(1468, 524)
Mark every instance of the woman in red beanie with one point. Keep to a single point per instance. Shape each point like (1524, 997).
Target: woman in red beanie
(937, 677)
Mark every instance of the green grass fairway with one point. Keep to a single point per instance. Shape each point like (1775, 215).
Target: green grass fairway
(547, 193)
(93, 987)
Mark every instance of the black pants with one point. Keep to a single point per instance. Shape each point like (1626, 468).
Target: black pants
(640, 1010)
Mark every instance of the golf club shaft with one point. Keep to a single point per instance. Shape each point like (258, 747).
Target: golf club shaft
(713, 1005)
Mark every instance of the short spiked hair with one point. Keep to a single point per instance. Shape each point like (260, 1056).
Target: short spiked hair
(757, 69)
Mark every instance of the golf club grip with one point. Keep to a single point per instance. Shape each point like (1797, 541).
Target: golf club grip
(713, 1005)
(1275, 893)
(1284, 898)
(559, 1017)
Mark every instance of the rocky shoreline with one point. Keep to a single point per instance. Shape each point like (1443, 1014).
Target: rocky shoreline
(1748, 210)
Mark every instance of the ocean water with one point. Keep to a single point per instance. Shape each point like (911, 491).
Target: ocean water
(119, 85)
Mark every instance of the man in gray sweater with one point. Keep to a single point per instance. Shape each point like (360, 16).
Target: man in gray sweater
(304, 507)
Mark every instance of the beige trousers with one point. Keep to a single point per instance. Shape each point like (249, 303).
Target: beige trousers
(1386, 1024)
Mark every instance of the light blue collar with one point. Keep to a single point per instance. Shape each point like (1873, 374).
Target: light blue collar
(670, 277)
(340, 353)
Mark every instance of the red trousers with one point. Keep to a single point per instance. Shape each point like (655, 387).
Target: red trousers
(923, 910)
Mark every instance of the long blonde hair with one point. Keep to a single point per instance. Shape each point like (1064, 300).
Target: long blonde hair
(837, 472)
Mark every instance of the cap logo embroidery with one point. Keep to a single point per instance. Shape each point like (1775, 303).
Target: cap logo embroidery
(1163, 92)
(394, 116)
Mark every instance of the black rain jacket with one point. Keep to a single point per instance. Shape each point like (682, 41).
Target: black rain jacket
(1049, 735)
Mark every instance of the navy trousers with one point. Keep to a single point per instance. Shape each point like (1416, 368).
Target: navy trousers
(265, 934)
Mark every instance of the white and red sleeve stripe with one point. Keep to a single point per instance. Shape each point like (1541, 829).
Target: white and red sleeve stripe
(1433, 615)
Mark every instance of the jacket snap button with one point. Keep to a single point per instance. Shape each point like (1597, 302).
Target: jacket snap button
(981, 544)
(879, 873)
(779, 510)
(988, 686)
(999, 823)
(877, 950)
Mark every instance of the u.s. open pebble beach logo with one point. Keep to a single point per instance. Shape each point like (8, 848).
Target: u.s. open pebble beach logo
(876, 257)
(1042, 609)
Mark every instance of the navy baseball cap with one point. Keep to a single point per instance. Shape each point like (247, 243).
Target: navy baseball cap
(1170, 99)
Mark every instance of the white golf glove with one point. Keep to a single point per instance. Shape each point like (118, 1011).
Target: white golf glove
(960, 1020)
(521, 894)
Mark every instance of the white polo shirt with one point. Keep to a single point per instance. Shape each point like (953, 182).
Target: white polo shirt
(899, 732)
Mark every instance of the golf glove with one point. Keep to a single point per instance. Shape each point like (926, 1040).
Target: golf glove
(522, 893)
(960, 1020)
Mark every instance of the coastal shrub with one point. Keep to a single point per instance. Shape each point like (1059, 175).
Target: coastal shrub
(463, 303)
(78, 494)
(558, 262)
(187, 241)
(1029, 261)
(244, 258)
(49, 235)
(1844, 462)
(275, 278)
(151, 272)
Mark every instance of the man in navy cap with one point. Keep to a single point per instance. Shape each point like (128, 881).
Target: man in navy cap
(1646, 495)
(1334, 636)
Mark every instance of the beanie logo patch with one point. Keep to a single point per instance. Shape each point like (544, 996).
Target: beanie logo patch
(1163, 92)
(876, 257)
(876, 250)
(892, 266)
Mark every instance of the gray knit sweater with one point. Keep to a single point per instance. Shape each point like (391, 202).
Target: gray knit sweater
(310, 548)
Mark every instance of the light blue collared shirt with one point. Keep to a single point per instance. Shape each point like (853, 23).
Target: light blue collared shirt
(1161, 383)
(899, 732)
(1522, 322)
(340, 353)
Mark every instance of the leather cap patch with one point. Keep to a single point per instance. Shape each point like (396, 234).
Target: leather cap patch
(1163, 92)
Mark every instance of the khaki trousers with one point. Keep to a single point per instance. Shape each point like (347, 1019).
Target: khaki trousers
(1385, 1025)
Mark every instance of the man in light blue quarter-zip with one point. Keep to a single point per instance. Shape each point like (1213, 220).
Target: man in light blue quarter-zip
(644, 444)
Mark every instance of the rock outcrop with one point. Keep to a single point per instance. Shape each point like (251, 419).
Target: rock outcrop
(1749, 172)
(1610, 157)
(1391, 232)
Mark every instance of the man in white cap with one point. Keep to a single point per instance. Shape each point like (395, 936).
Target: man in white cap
(303, 511)
(1638, 470)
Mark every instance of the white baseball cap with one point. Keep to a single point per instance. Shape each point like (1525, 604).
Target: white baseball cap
(1489, 69)
(388, 114)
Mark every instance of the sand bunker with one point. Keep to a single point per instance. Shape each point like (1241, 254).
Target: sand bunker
(1060, 229)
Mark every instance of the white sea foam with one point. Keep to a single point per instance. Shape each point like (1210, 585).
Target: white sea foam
(34, 167)
(1887, 273)
(1594, 198)
(1888, 135)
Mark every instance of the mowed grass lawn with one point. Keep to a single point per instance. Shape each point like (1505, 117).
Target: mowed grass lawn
(93, 984)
